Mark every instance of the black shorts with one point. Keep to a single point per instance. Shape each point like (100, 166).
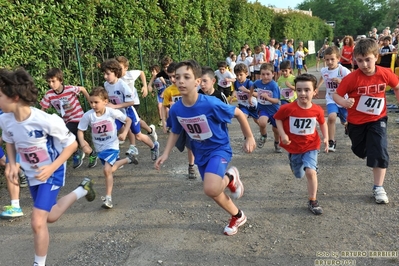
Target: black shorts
(257, 72)
(226, 91)
(73, 128)
(370, 140)
(348, 66)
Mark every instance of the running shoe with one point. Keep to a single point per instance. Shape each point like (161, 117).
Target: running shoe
(314, 207)
(87, 184)
(78, 159)
(277, 148)
(236, 187)
(232, 227)
(155, 151)
(191, 172)
(92, 159)
(261, 141)
(22, 179)
(332, 145)
(11, 212)
(153, 135)
(107, 203)
(380, 195)
(132, 150)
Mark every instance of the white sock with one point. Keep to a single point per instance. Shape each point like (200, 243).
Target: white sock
(15, 203)
(41, 261)
(80, 192)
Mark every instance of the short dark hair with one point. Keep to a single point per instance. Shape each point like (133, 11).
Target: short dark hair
(113, 66)
(285, 65)
(306, 77)
(241, 68)
(54, 73)
(193, 65)
(221, 64)
(171, 68)
(267, 66)
(100, 92)
(18, 83)
(206, 70)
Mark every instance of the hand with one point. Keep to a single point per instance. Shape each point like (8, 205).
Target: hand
(160, 161)
(249, 145)
(325, 141)
(122, 136)
(285, 139)
(44, 172)
(349, 102)
(242, 88)
(144, 92)
(11, 173)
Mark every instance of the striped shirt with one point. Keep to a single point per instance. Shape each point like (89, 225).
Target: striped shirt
(66, 103)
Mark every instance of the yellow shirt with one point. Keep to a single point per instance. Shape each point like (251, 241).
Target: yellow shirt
(171, 95)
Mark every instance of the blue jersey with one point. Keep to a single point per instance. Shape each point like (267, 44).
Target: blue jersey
(272, 90)
(206, 124)
(290, 57)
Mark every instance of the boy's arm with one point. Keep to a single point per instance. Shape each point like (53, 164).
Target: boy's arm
(126, 128)
(13, 168)
(284, 137)
(396, 91)
(46, 171)
(81, 139)
(144, 90)
(347, 103)
(168, 148)
(324, 131)
(249, 144)
(85, 93)
(121, 105)
(321, 81)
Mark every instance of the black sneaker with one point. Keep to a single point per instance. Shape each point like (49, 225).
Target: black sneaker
(313, 206)
(332, 145)
(77, 159)
(87, 184)
(346, 130)
(191, 172)
(92, 160)
(133, 159)
(22, 179)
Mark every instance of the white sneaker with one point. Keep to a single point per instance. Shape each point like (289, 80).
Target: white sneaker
(132, 150)
(153, 135)
(232, 227)
(380, 195)
(236, 187)
(397, 120)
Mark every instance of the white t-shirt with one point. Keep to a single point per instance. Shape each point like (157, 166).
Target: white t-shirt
(331, 86)
(272, 52)
(118, 93)
(38, 140)
(103, 128)
(247, 61)
(130, 77)
(222, 78)
(299, 55)
(259, 59)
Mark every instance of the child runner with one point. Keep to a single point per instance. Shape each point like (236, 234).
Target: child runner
(297, 125)
(286, 83)
(44, 144)
(120, 97)
(129, 77)
(268, 103)
(332, 76)
(101, 120)
(242, 87)
(209, 139)
(367, 111)
(225, 78)
(160, 86)
(171, 96)
(65, 100)
(207, 82)
(299, 57)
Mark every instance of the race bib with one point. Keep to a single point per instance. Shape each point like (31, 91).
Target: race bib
(288, 94)
(102, 127)
(196, 127)
(370, 105)
(33, 156)
(263, 100)
(242, 98)
(331, 87)
(114, 99)
(302, 125)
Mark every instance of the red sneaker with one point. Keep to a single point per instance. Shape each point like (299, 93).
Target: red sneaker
(236, 187)
(232, 227)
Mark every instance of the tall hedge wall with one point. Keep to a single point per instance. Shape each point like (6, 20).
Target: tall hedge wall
(41, 34)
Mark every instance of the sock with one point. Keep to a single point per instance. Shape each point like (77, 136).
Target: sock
(312, 199)
(231, 178)
(15, 203)
(149, 133)
(132, 146)
(108, 197)
(276, 142)
(40, 260)
(80, 192)
(239, 214)
(191, 165)
(265, 136)
(375, 186)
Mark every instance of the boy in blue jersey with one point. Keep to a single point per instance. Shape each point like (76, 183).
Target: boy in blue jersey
(204, 119)
(268, 103)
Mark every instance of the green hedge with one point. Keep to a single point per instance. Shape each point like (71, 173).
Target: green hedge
(41, 34)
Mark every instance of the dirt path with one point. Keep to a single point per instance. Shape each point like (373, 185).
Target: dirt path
(161, 218)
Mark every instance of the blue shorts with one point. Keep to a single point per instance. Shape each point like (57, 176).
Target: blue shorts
(159, 98)
(183, 141)
(299, 162)
(215, 165)
(44, 196)
(272, 121)
(252, 112)
(276, 69)
(110, 156)
(299, 66)
(341, 112)
(135, 127)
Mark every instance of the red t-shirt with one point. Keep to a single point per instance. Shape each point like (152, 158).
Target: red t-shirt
(369, 94)
(301, 126)
(347, 52)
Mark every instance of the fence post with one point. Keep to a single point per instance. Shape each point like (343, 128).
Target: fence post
(142, 68)
(207, 52)
(80, 71)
